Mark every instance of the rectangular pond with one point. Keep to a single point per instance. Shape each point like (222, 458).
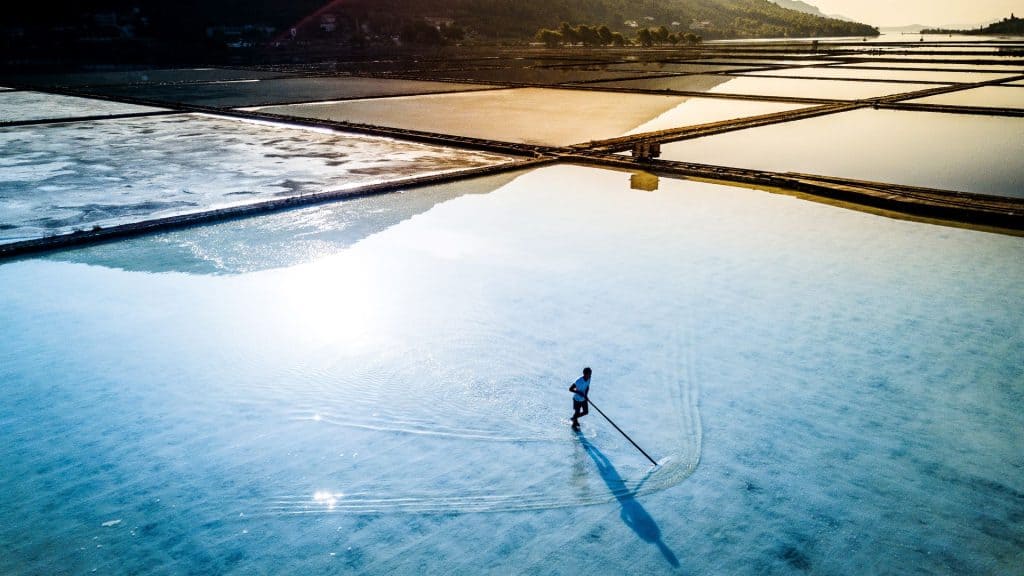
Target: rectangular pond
(778, 87)
(748, 62)
(379, 387)
(974, 58)
(960, 152)
(26, 106)
(529, 115)
(526, 75)
(142, 76)
(668, 67)
(999, 68)
(285, 90)
(985, 96)
(55, 179)
(534, 115)
(950, 77)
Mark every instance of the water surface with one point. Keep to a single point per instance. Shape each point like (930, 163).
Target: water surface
(21, 105)
(1019, 68)
(528, 115)
(144, 76)
(966, 153)
(859, 397)
(780, 87)
(284, 90)
(985, 96)
(58, 178)
(866, 74)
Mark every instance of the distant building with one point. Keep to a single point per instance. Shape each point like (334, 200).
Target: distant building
(328, 22)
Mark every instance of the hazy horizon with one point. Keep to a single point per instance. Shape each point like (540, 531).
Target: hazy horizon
(927, 12)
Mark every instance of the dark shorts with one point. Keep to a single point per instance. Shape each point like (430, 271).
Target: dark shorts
(580, 408)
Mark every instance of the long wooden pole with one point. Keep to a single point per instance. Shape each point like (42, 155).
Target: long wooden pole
(601, 412)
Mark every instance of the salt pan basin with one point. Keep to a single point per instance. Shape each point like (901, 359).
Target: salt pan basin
(55, 179)
(828, 391)
(959, 152)
(905, 75)
(532, 115)
(26, 106)
(528, 115)
(770, 86)
(985, 97)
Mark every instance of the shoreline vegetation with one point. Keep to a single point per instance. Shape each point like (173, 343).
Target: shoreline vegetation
(1013, 26)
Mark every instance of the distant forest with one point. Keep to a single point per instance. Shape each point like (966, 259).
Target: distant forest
(1013, 26)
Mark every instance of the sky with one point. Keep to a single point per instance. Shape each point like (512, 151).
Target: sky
(929, 12)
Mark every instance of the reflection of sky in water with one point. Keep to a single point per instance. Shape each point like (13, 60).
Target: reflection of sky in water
(993, 57)
(966, 153)
(695, 111)
(984, 96)
(275, 240)
(786, 87)
(909, 75)
(858, 381)
(939, 65)
(542, 116)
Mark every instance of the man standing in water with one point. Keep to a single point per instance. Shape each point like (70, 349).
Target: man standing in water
(580, 405)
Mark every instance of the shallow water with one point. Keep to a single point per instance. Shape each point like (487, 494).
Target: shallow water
(528, 115)
(154, 76)
(777, 62)
(672, 67)
(993, 57)
(58, 178)
(537, 75)
(859, 398)
(20, 106)
(1018, 68)
(883, 75)
(782, 87)
(233, 94)
(985, 97)
(965, 153)
(694, 111)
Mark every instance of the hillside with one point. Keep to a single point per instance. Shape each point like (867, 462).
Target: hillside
(520, 19)
(486, 19)
(124, 31)
(801, 6)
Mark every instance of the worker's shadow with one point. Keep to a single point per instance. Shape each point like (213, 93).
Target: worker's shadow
(633, 514)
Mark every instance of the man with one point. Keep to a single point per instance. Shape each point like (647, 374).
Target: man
(580, 405)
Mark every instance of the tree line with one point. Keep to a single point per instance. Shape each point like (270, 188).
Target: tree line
(602, 35)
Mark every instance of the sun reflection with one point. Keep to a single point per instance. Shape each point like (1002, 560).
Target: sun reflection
(329, 499)
(333, 300)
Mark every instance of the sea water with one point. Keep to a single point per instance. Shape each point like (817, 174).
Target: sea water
(827, 391)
